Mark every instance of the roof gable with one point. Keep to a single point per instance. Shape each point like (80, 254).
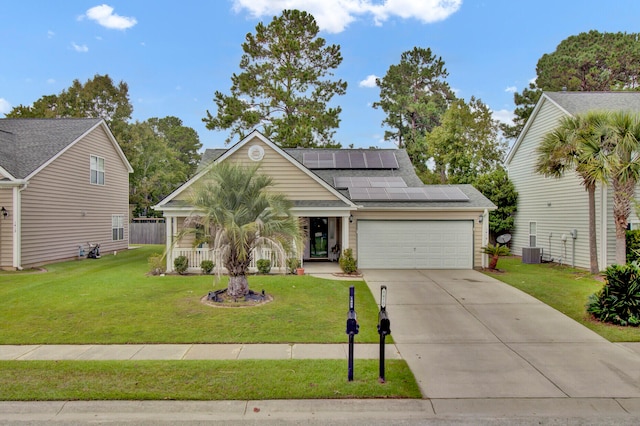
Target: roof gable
(27, 145)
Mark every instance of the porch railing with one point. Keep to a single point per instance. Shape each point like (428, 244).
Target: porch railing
(195, 256)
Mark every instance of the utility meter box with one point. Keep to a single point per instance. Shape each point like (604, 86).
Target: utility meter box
(531, 255)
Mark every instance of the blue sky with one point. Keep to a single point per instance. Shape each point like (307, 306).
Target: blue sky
(175, 55)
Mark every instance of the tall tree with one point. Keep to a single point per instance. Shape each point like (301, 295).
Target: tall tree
(576, 144)
(237, 211)
(589, 61)
(497, 187)
(98, 97)
(183, 140)
(414, 95)
(466, 144)
(621, 133)
(285, 85)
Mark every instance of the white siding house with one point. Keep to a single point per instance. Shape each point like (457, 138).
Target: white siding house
(549, 209)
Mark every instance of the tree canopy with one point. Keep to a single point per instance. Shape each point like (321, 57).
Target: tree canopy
(589, 61)
(285, 85)
(414, 95)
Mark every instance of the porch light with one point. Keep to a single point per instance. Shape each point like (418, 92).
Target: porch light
(350, 218)
(5, 213)
(480, 218)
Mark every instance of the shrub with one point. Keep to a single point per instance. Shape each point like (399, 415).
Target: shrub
(348, 264)
(293, 263)
(619, 300)
(264, 266)
(156, 264)
(207, 266)
(633, 246)
(180, 264)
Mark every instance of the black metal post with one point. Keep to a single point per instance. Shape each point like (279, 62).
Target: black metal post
(352, 329)
(384, 328)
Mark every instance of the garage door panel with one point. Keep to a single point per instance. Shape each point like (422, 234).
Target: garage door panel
(424, 244)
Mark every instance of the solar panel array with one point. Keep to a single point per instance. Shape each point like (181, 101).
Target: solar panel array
(426, 193)
(350, 160)
(369, 182)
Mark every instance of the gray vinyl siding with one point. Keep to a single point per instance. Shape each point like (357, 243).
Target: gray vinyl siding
(62, 210)
(6, 228)
(557, 205)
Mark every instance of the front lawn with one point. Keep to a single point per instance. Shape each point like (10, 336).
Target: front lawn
(563, 288)
(112, 300)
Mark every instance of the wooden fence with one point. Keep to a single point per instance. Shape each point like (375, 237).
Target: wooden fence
(147, 233)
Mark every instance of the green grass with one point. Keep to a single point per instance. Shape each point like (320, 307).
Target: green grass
(202, 380)
(112, 300)
(563, 288)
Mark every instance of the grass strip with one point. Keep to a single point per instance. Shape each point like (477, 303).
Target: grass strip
(563, 288)
(202, 380)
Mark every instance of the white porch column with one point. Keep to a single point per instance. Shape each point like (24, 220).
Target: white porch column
(345, 232)
(169, 243)
(485, 237)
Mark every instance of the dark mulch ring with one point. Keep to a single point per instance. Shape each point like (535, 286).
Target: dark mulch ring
(220, 299)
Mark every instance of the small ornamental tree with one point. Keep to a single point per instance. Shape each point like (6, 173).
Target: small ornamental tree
(348, 263)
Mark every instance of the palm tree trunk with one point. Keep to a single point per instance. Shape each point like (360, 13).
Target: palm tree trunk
(621, 209)
(238, 286)
(593, 242)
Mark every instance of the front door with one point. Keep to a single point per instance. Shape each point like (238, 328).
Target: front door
(318, 237)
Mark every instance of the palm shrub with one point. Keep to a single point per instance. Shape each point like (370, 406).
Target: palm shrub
(180, 264)
(293, 263)
(156, 264)
(619, 300)
(348, 263)
(633, 246)
(495, 252)
(264, 266)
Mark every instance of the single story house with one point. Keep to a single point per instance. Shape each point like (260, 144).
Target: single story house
(64, 185)
(369, 200)
(552, 212)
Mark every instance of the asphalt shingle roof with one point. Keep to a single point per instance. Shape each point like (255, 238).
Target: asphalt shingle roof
(581, 102)
(28, 143)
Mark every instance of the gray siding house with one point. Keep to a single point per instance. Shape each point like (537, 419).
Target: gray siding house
(64, 184)
(368, 200)
(550, 209)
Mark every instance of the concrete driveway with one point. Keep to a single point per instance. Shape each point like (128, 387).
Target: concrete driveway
(467, 335)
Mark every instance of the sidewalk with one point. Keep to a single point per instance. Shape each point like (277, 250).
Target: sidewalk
(192, 352)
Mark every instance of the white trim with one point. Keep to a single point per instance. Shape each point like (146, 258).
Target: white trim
(9, 176)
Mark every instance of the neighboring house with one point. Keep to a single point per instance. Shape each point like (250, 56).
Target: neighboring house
(64, 183)
(368, 200)
(550, 209)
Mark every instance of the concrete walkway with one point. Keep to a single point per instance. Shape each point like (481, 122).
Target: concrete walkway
(482, 352)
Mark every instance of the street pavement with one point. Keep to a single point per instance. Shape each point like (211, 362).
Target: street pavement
(481, 351)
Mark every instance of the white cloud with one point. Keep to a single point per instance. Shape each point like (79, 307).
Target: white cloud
(511, 89)
(50, 34)
(370, 81)
(82, 48)
(104, 16)
(51, 81)
(334, 16)
(503, 116)
(5, 106)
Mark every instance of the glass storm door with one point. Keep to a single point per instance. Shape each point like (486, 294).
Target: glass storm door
(318, 236)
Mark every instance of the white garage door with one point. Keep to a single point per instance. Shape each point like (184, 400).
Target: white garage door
(419, 244)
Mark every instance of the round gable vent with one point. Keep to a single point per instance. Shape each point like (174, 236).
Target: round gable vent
(256, 153)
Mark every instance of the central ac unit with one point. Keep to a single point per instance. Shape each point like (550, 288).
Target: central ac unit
(531, 255)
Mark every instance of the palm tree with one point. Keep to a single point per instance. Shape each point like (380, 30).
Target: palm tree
(576, 143)
(236, 210)
(621, 131)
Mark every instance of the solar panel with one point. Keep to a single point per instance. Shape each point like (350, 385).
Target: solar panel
(408, 194)
(357, 160)
(343, 182)
(342, 160)
(310, 160)
(389, 160)
(373, 159)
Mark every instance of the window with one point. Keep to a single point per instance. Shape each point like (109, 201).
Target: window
(532, 233)
(97, 170)
(117, 227)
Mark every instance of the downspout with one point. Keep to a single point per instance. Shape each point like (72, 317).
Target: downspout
(17, 225)
(485, 236)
